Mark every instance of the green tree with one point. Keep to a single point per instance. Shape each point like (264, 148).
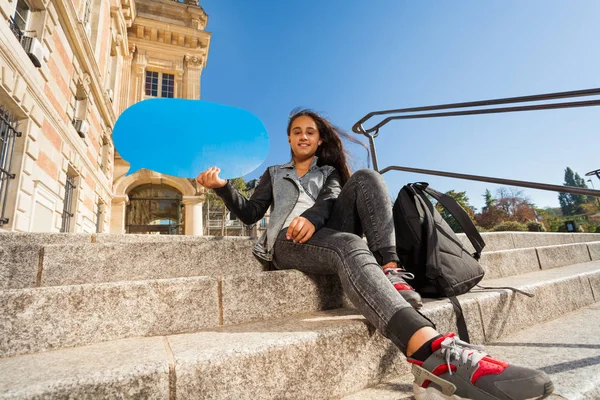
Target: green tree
(571, 204)
(489, 200)
(462, 199)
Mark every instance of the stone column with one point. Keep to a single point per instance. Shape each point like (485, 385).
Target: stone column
(125, 81)
(117, 214)
(179, 86)
(138, 78)
(191, 81)
(193, 215)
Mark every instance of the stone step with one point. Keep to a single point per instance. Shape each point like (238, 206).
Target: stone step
(494, 240)
(503, 263)
(566, 348)
(517, 240)
(326, 354)
(40, 239)
(40, 319)
(229, 299)
(31, 265)
(331, 353)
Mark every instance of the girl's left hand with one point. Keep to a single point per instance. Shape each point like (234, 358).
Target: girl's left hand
(300, 230)
(210, 178)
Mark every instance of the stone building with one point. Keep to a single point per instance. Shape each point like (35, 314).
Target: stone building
(68, 68)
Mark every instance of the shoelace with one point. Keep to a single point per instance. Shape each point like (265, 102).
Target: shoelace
(397, 275)
(453, 347)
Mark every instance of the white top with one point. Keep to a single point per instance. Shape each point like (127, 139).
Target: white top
(304, 203)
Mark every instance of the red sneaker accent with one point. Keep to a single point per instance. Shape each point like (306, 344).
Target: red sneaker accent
(403, 286)
(438, 343)
(496, 361)
(412, 360)
(442, 369)
(488, 366)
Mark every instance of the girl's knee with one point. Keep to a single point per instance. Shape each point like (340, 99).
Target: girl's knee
(367, 175)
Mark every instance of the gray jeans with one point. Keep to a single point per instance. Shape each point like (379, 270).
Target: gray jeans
(363, 206)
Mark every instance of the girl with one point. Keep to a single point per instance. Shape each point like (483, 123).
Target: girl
(320, 213)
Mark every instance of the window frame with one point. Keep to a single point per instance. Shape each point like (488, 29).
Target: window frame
(26, 19)
(160, 81)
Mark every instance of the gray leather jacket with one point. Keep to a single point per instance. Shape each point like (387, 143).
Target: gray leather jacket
(279, 188)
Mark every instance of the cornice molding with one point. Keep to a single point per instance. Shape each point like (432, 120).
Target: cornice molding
(194, 14)
(167, 50)
(157, 30)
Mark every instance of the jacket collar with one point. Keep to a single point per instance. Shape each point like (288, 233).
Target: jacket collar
(291, 164)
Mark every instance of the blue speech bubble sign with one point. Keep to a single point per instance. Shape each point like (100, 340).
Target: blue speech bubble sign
(182, 138)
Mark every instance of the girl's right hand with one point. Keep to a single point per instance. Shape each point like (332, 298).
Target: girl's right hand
(210, 179)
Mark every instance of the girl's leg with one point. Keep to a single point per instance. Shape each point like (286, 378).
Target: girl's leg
(347, 255)
(364, 206)
(330, 251)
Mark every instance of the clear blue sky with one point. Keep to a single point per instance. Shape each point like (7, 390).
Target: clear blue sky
(344, 58)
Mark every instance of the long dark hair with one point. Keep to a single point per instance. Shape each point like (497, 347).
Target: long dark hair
(331, 151)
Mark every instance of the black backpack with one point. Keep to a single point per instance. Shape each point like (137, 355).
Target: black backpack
(429, 249)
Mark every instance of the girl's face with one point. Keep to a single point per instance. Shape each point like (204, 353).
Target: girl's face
(304, 137)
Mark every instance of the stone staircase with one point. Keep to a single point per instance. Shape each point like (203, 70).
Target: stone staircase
(133, 316)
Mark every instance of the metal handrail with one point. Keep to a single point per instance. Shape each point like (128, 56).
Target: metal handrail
(373, 132)
(358, 126)
(511, 182)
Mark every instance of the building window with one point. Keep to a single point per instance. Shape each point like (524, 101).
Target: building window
(80, 111)
(22, 15)
(8, 136)
(68, 204)
(19, 21)
(168, 85)
(158, 82)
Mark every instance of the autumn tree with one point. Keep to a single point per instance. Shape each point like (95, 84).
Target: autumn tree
(510, 204)
(515, 204)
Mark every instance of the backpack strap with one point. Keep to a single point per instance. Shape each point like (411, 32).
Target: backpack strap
(460, 215)
(524, 293)
(433, 257)
(461, 324)
(429, 238)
